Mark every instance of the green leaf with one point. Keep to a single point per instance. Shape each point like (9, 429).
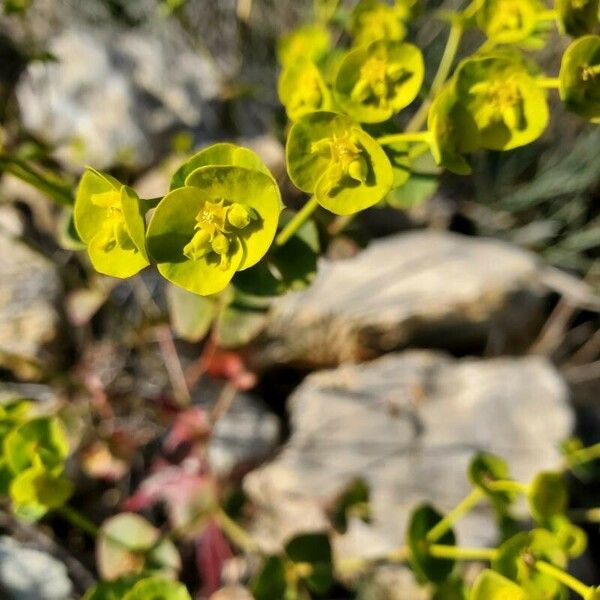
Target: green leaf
(189, 221)
(111, 590)
(374, 82)
(578, 17)
(313, 549)
(580, 77)
(483, 470)
(222, 154)
(241, 321)
(128, 544)
(302, 90)
(452, 589)
(270, 582)
(156, 588)
(353, 501)
(42, 439)
(292, 266)
(515, 558)
(190, 315)
(453, 132)
(508, 106)
(426, 567)
(548, 495)
(490, 585)
(329, 155)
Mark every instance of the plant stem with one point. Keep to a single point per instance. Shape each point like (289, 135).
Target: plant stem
(78, 520)
(455, 552)
(456, 513)
(297, 221)
(507, 485)
(448, 56)
(234, 532)
(20, 169)
(416, 137)
(563, 577)
(584, 455)
(548, 83)
(587, 515)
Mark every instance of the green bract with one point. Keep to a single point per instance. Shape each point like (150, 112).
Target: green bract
(580, 77)
(328, 154)
(493, 586)
(222, 154)
(518, 554)
(156, 588)
(453, 132)
(374, 82)
(508, 106)
(573, 539)
(222, 221)
(577, 17)
(373, 20)
(509, 21)
(302, 89)
(109, 219)
(548, 495)
(310, 42)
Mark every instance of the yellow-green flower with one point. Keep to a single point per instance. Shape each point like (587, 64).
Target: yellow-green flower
(578, 17)
(376, 81)
(508, 106)
(302, 90)
(223, 220)
(331, 156)
(109, 218)
(580, 77)
(509, 21)
(374, 20)
(310, 42)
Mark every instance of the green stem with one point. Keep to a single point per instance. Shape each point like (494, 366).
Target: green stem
(234, 532)
(587, 515)
(456, 513)
(448, 56)
(416, 137)
(507, 485)
(563, 577)
(584, 455)
(455, 552)
(78, 520)
(296, 222)
(22, 170)
(548, 83)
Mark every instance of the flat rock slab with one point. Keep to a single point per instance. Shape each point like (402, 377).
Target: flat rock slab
(408, 424)
(424, 288)
(30, 295)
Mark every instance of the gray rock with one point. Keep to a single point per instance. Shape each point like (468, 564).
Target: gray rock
(408, 424)
(245, 435)
(30, 293)
(423, 288)
(28, 574)
(144, 84)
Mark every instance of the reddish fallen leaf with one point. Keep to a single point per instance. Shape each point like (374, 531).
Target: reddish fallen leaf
(189, 427)
(212, 550)
(225, 364)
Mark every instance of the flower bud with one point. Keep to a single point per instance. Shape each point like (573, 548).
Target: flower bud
(198, 246)
(239, 216)
(357, 169)
(220, 244)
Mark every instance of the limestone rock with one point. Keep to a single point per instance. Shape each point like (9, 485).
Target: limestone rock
(423, 288)
(408, 424)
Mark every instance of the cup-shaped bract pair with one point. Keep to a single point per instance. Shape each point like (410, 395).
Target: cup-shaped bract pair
(452, 132)
(503, 97)
(302, 89)
(509, 21)
(374, 20)
(376, 81)
(310, 42)
(580, 77)
(109, 218)
(578, 17)
(221, 220)
(332, 157)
